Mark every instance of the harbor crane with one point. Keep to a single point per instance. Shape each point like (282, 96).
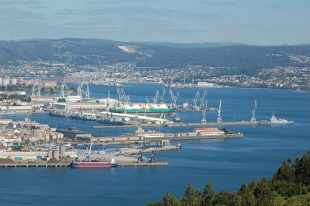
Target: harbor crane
(79, 89)
(122, 95)
(87, 94)
(62, 88)
(108, 102)
(173, 99)
(163, 95)
(195, 99)
(202, 99)
(219, 118)
(39, 89)
(203, 119)
(33, 90)
(253, 118)
(156, 97)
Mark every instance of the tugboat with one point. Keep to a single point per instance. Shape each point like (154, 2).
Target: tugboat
(274, 120)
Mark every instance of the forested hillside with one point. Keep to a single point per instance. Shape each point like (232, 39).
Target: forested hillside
(98, 52)
(290, 186)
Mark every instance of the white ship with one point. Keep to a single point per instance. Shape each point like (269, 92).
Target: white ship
(274, 120)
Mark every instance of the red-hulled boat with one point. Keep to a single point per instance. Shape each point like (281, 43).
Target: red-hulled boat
(103, 164)
(88, 163)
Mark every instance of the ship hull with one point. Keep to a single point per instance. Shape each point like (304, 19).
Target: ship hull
(276, 122)
(83, 118)
(111, 123)
(161, 110)
(58, 114)
(93, 164)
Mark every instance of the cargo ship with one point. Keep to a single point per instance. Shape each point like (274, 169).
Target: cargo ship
(144, 108)
(89, 163)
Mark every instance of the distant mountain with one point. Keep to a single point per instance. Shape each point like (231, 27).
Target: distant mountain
(76, 51)
(194, 45)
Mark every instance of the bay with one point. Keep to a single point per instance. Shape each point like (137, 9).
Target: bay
(229, 163)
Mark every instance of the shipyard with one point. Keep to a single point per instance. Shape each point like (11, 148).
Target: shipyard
(65, 147)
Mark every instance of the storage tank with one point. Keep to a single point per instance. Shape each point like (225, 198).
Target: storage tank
(56, 154)
(135, 106)
(50, 154)
(155, 106)
(163, 106)
(127, 106)
(146, 106)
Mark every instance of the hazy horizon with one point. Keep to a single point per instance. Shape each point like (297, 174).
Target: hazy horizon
(277, 22)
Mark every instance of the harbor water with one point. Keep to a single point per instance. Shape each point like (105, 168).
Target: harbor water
(228, 162)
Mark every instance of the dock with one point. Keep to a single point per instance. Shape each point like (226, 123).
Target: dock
(35, 165)
(130, 139)
(121, 164)
(181, 124)
(139, 164)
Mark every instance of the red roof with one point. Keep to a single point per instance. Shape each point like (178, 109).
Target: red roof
(207, 130)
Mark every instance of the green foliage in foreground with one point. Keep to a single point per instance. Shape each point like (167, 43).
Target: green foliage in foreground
(290, 186)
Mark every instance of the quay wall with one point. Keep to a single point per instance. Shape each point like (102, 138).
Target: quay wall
(131, 138)
(181, 124)
(31, 155)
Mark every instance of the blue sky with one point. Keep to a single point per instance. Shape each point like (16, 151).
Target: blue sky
(256, 22)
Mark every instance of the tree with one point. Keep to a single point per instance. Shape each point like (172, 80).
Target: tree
(289, 187)
(192, 196)
(208, 194)
(285, 172)
(170, 200)
(227, 198)
(302, 170)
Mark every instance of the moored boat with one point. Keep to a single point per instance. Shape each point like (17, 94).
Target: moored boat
(94, 164)
(111, 121)
(152, 108)
(59, 113)
(274, 120)
(89, 163)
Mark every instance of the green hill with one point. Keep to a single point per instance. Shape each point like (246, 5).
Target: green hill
(97, 52)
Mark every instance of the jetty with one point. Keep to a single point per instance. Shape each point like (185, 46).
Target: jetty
(139, 164)
(34, 165)
(132, 139)
(197, 124)
(122, 162)
(8, 162)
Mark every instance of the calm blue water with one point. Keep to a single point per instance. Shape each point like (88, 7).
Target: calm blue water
(229, 163)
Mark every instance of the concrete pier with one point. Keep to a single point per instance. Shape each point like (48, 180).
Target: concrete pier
(35, 165)
(139, 164)
(197, 124)
(130, 139)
